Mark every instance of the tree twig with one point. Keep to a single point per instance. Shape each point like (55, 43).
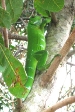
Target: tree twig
(57, 60)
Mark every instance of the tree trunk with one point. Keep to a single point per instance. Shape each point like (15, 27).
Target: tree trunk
(42, 97)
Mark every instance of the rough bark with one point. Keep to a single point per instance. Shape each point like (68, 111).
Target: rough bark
(40, 98)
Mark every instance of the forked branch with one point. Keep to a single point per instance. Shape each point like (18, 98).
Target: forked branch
(57, 60)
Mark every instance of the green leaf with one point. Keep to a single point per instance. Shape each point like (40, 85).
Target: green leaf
(14, 74)
(42, 11)
(1, 68)
(49, 5)
(5, 20)
(1, 39)
(14, 7)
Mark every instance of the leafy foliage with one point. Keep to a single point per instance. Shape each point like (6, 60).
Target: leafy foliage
(12, 13)
(14, 8)
(5, 20)
(43, 6)
(13, 72)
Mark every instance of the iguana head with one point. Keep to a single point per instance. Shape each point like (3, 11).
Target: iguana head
(35, 20)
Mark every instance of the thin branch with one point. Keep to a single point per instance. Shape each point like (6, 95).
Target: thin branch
(5, 34)
(21, 49)
(15, 36)
(72, 52)
(8, 100)
(5, 31)
(57, 60)
(3, 4)
(70, 64)
(19, 105)
(54, 19)
(60, 104)
(22, 21)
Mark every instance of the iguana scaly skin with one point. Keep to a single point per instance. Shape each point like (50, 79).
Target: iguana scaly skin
(36, 49)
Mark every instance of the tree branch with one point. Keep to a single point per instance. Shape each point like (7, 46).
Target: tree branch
(5, 31)
(54, 19)
(5, 35)
(57, 60)
(19, 104)
(60, 104)
(15, 36)
(70, 64)
(3, 4)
